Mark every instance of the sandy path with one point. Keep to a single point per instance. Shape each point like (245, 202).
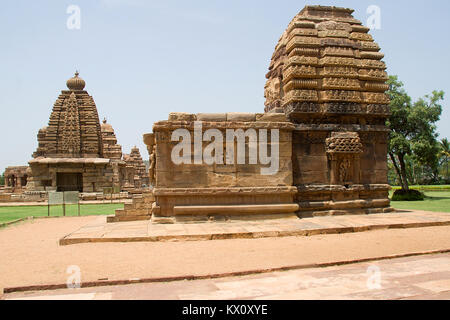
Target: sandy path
(30, 254)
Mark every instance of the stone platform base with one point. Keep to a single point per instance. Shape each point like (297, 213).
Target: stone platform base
(192, 219)
(126, 218)
(136, 231)
(309, 214)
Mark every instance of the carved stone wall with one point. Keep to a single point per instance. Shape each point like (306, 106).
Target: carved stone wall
(223, 189)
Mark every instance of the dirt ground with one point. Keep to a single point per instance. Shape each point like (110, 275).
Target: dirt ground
(30, 253)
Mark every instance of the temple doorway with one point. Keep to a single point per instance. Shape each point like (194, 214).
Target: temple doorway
(69, 181)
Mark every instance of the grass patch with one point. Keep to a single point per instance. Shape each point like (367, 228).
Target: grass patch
(426, 188)
(13, 213)
(437, 201)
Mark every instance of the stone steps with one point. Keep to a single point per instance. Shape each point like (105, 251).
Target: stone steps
(139, 209)
(132, 212)
(127, 218)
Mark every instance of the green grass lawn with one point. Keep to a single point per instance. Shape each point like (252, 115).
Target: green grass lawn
(427, 187)
(437, 201)
(14, 213)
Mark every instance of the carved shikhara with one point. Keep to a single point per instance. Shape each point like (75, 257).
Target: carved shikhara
(325, 94)
(325, 55)
(77, 146)
(328, 77)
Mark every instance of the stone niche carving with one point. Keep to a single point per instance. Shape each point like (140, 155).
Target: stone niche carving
(343, 151)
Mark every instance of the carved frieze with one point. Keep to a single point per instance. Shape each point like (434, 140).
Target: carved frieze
(375, 98)
(373, 74)
(334, 34)
(341, 83)
(302, 60)
(304, 52)
(301, 84)
(338, 61)
(299, 71)
(297, 41)
(303, 107)
(340, 95)
(339, 71)
(361, 36)
(338, 51)
(344, 142)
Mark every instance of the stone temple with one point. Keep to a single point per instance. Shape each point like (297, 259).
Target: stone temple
(325, 96)
(77, 153)
(16, 179)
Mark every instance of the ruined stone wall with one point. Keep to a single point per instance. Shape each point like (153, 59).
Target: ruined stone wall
(222, 190)
(16, 179)
(170, 175)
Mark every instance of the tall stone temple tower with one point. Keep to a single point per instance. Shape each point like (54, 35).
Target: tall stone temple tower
(328, 77)
(75, 152)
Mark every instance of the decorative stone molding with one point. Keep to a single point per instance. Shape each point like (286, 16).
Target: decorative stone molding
(173, 125)
(230, 190)
(344, 142)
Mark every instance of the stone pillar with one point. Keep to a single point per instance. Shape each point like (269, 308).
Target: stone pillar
(356, 169)
(334, 179)
(18, 182)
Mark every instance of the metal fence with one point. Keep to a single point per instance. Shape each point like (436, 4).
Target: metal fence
(62, 199)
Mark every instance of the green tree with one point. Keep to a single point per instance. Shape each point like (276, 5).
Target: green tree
(413, 129)
(2, 179)
(445, 153)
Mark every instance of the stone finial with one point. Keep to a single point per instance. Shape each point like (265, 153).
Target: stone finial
(76, 83)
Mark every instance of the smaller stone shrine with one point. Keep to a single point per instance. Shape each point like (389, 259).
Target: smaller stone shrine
(16, 179)
(136, 173)
(77, 153)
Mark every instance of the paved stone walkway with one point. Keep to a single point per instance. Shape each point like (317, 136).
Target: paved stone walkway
(420, 277)
(138, 231)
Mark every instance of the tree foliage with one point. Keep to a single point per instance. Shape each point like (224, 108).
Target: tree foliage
(413, 130)
(445, 154)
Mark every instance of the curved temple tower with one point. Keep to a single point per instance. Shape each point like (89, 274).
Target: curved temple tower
(325, 95)
(328, 77)
(77, 153)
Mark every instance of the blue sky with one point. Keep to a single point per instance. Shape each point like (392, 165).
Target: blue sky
(143, 59)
